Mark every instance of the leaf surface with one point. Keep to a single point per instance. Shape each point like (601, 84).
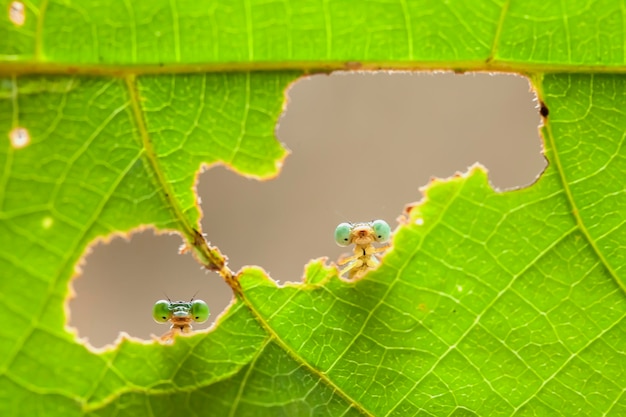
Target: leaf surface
(488, 304)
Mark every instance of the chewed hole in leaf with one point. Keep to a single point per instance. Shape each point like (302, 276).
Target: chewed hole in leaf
(17, 13)
(19, 137)
(121, 280)
(362, 145)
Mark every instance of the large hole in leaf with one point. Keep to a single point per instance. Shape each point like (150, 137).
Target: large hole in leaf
(122, 280)
(362, 146)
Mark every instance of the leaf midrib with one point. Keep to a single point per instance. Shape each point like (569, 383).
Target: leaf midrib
(10, 67)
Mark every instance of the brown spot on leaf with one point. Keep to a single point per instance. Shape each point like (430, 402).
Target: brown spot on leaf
(543, 109)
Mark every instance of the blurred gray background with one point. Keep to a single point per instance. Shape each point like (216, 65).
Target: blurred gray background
(362, 145)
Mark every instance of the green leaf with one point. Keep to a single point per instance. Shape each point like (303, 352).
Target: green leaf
(488, 303)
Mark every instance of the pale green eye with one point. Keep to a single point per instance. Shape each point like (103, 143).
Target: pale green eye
(342, 234)
(381, 230)
(199, 311)
(161, 311)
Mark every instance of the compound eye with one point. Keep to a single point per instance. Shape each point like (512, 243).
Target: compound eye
(382, 231)
(199, 311)
(342, 234)
(161, 311)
